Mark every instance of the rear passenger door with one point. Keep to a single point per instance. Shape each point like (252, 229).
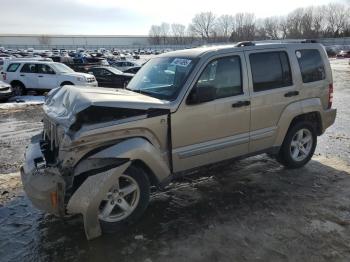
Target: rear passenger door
(28, 75)
(272, 90)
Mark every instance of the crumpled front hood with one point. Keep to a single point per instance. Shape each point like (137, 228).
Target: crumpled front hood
(64, 103)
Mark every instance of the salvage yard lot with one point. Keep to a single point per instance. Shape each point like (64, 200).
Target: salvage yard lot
(248, 210)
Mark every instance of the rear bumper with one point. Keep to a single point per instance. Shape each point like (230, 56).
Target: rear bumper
(43, 185)
(328, 118)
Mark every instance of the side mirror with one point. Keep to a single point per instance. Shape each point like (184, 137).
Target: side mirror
(201, 94)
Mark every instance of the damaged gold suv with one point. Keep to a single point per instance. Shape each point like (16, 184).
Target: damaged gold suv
(102, 149)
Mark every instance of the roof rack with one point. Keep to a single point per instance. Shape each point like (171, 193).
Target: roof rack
(309, 41)
(244, 43)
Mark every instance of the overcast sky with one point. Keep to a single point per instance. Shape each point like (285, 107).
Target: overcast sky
(124, 17)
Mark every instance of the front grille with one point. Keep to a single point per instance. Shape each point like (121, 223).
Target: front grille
(90, 80)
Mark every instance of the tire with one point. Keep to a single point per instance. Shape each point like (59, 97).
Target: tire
(67, 83)
(110, 225)
(18, 89)
(294, 153)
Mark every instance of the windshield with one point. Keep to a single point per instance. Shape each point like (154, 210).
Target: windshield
(162, 77)
(62, 68)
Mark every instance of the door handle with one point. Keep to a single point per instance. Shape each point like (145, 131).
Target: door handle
(22, 75)
(291, 93)
(40, 76)
(241, 103)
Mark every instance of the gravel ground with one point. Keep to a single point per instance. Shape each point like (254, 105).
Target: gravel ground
(248, 210)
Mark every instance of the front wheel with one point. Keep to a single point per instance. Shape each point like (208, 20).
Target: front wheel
(126, 200)
(298, 146)
(18, 89)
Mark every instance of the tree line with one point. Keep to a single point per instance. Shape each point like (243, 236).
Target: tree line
(332, 20)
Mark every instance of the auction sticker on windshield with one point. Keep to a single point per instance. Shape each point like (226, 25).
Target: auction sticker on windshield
(181, 62)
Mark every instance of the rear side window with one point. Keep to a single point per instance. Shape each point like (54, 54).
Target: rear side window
(29, 68)
(270, 70)
(13, 67)
(311, 65)
(45, 69)
(225, 75)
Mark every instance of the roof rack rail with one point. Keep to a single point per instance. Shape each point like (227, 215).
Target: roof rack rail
(244, 43)
(309, 41)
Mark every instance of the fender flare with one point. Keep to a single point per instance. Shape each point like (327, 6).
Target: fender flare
(88, 196)
(293, 110)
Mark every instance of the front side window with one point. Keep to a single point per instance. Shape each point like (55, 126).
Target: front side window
(13, 67)
(311, 65)
(162, 77)
(224, 74)
(29, 68)
(270, 70)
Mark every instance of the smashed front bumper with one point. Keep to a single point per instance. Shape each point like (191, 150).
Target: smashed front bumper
(43, 185)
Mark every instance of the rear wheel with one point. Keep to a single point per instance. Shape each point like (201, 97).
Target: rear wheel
(126, 200)
(298, 146)
(18, 89)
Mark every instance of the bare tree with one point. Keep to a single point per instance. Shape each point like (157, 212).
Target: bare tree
(319, 21)
(224, 26)
(155, 34)
(245, 28)
(164, 32)
(44, 40)
(203, 24)
(271, 25)
(178, 33)
(337, 17)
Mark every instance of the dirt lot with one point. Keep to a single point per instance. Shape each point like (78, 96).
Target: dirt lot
(248, 210)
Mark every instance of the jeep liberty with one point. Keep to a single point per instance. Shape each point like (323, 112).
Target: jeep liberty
(102, 149)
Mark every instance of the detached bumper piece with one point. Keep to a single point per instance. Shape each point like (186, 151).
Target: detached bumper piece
(43, 185)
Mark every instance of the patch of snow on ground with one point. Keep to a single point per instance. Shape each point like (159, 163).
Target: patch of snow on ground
(22, 101)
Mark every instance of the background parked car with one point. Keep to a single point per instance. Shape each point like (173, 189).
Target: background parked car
(42, 76)
(133, 70)
(5, 91)
(124, 65)
(343, 54)
(108, 76)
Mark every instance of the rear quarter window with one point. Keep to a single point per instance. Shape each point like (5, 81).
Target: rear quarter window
(13, 67)
(311, 65)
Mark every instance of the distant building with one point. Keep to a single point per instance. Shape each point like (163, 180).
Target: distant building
(71, 41)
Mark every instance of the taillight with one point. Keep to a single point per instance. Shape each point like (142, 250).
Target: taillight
(330, 95)
(4, 76)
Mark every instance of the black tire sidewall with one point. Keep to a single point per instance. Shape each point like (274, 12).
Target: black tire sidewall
(285, 156)
(66, 83)
(142, 180)
(19, 87)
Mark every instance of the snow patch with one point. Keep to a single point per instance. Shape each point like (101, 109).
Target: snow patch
(22, 101)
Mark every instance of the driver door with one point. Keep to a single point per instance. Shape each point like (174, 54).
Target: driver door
(208, 132)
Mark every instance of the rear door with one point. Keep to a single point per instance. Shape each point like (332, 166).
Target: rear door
(28, 75)
(272, 90)
(212, 131)
(47, 78)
